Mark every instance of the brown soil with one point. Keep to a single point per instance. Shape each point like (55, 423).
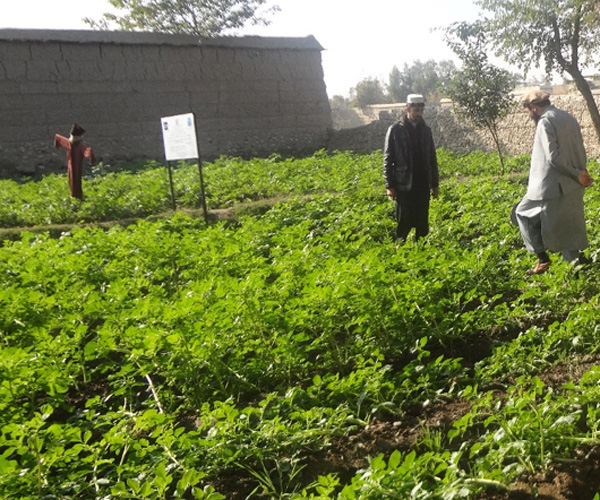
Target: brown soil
(577, 479)
(230, 214)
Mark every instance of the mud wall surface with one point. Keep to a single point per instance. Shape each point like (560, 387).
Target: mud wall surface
(453, 132)
(251, 96)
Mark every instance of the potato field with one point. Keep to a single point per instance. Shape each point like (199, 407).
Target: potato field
(284, 348)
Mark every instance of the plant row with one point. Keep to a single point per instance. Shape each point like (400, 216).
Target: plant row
(115, 193)
(160, 359)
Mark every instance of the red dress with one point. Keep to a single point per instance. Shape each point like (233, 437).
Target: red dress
(76, 152)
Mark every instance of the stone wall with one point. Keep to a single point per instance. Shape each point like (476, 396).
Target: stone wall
(251, 96)
(452, 132)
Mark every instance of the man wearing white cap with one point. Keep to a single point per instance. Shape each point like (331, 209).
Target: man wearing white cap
(410, 169)
(550, 216)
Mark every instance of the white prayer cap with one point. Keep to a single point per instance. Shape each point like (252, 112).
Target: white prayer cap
(415, 99)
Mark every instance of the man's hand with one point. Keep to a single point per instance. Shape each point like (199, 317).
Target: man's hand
(391, 193)
(435, 192)
(585, 179)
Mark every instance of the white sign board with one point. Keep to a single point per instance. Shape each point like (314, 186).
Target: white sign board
(179, 137)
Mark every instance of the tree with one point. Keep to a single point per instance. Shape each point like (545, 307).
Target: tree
(368, 91)
(562, 35)
(203, 18)
(445, 72)
(426, 78)
(339, 101)
(480, 89)
(397, 86)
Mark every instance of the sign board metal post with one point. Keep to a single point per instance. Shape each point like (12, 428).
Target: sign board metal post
(171, 184)
(180, 142)
(202, 190)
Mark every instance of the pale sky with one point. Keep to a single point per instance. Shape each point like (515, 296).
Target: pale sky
(361, 38)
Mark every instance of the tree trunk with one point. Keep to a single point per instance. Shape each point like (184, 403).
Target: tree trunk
(572, 67)
(493, 130)
(586, 92)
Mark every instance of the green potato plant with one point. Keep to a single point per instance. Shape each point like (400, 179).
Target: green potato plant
(157, 358)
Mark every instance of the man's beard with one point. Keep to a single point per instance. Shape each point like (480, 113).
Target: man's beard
(535, 117)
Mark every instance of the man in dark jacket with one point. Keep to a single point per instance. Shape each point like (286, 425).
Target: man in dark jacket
(410, 169)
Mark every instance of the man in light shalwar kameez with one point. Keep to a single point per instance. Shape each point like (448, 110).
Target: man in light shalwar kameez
(550, 216)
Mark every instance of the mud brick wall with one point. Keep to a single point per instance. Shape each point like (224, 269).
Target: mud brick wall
(251, 96)
(516, 131)
(453, 132)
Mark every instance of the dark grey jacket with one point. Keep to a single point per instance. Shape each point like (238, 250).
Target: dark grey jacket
(398, 162)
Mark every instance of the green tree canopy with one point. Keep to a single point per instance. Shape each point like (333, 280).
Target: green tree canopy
(368, 91)
(204, 18)
(480, 89)
(428, 78)
(561, 35)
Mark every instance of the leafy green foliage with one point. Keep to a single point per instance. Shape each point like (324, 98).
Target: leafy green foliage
(429, 78)
(560, 35)
(153, 360)
(201, 18)
(527, 33)
(481, 90)
(368, 91)
(114, 194)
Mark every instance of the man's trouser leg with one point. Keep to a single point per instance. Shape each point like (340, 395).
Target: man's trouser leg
(528, 215)
(403, 219)
(571, 256)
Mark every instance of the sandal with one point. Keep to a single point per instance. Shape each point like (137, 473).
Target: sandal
(541, 267)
